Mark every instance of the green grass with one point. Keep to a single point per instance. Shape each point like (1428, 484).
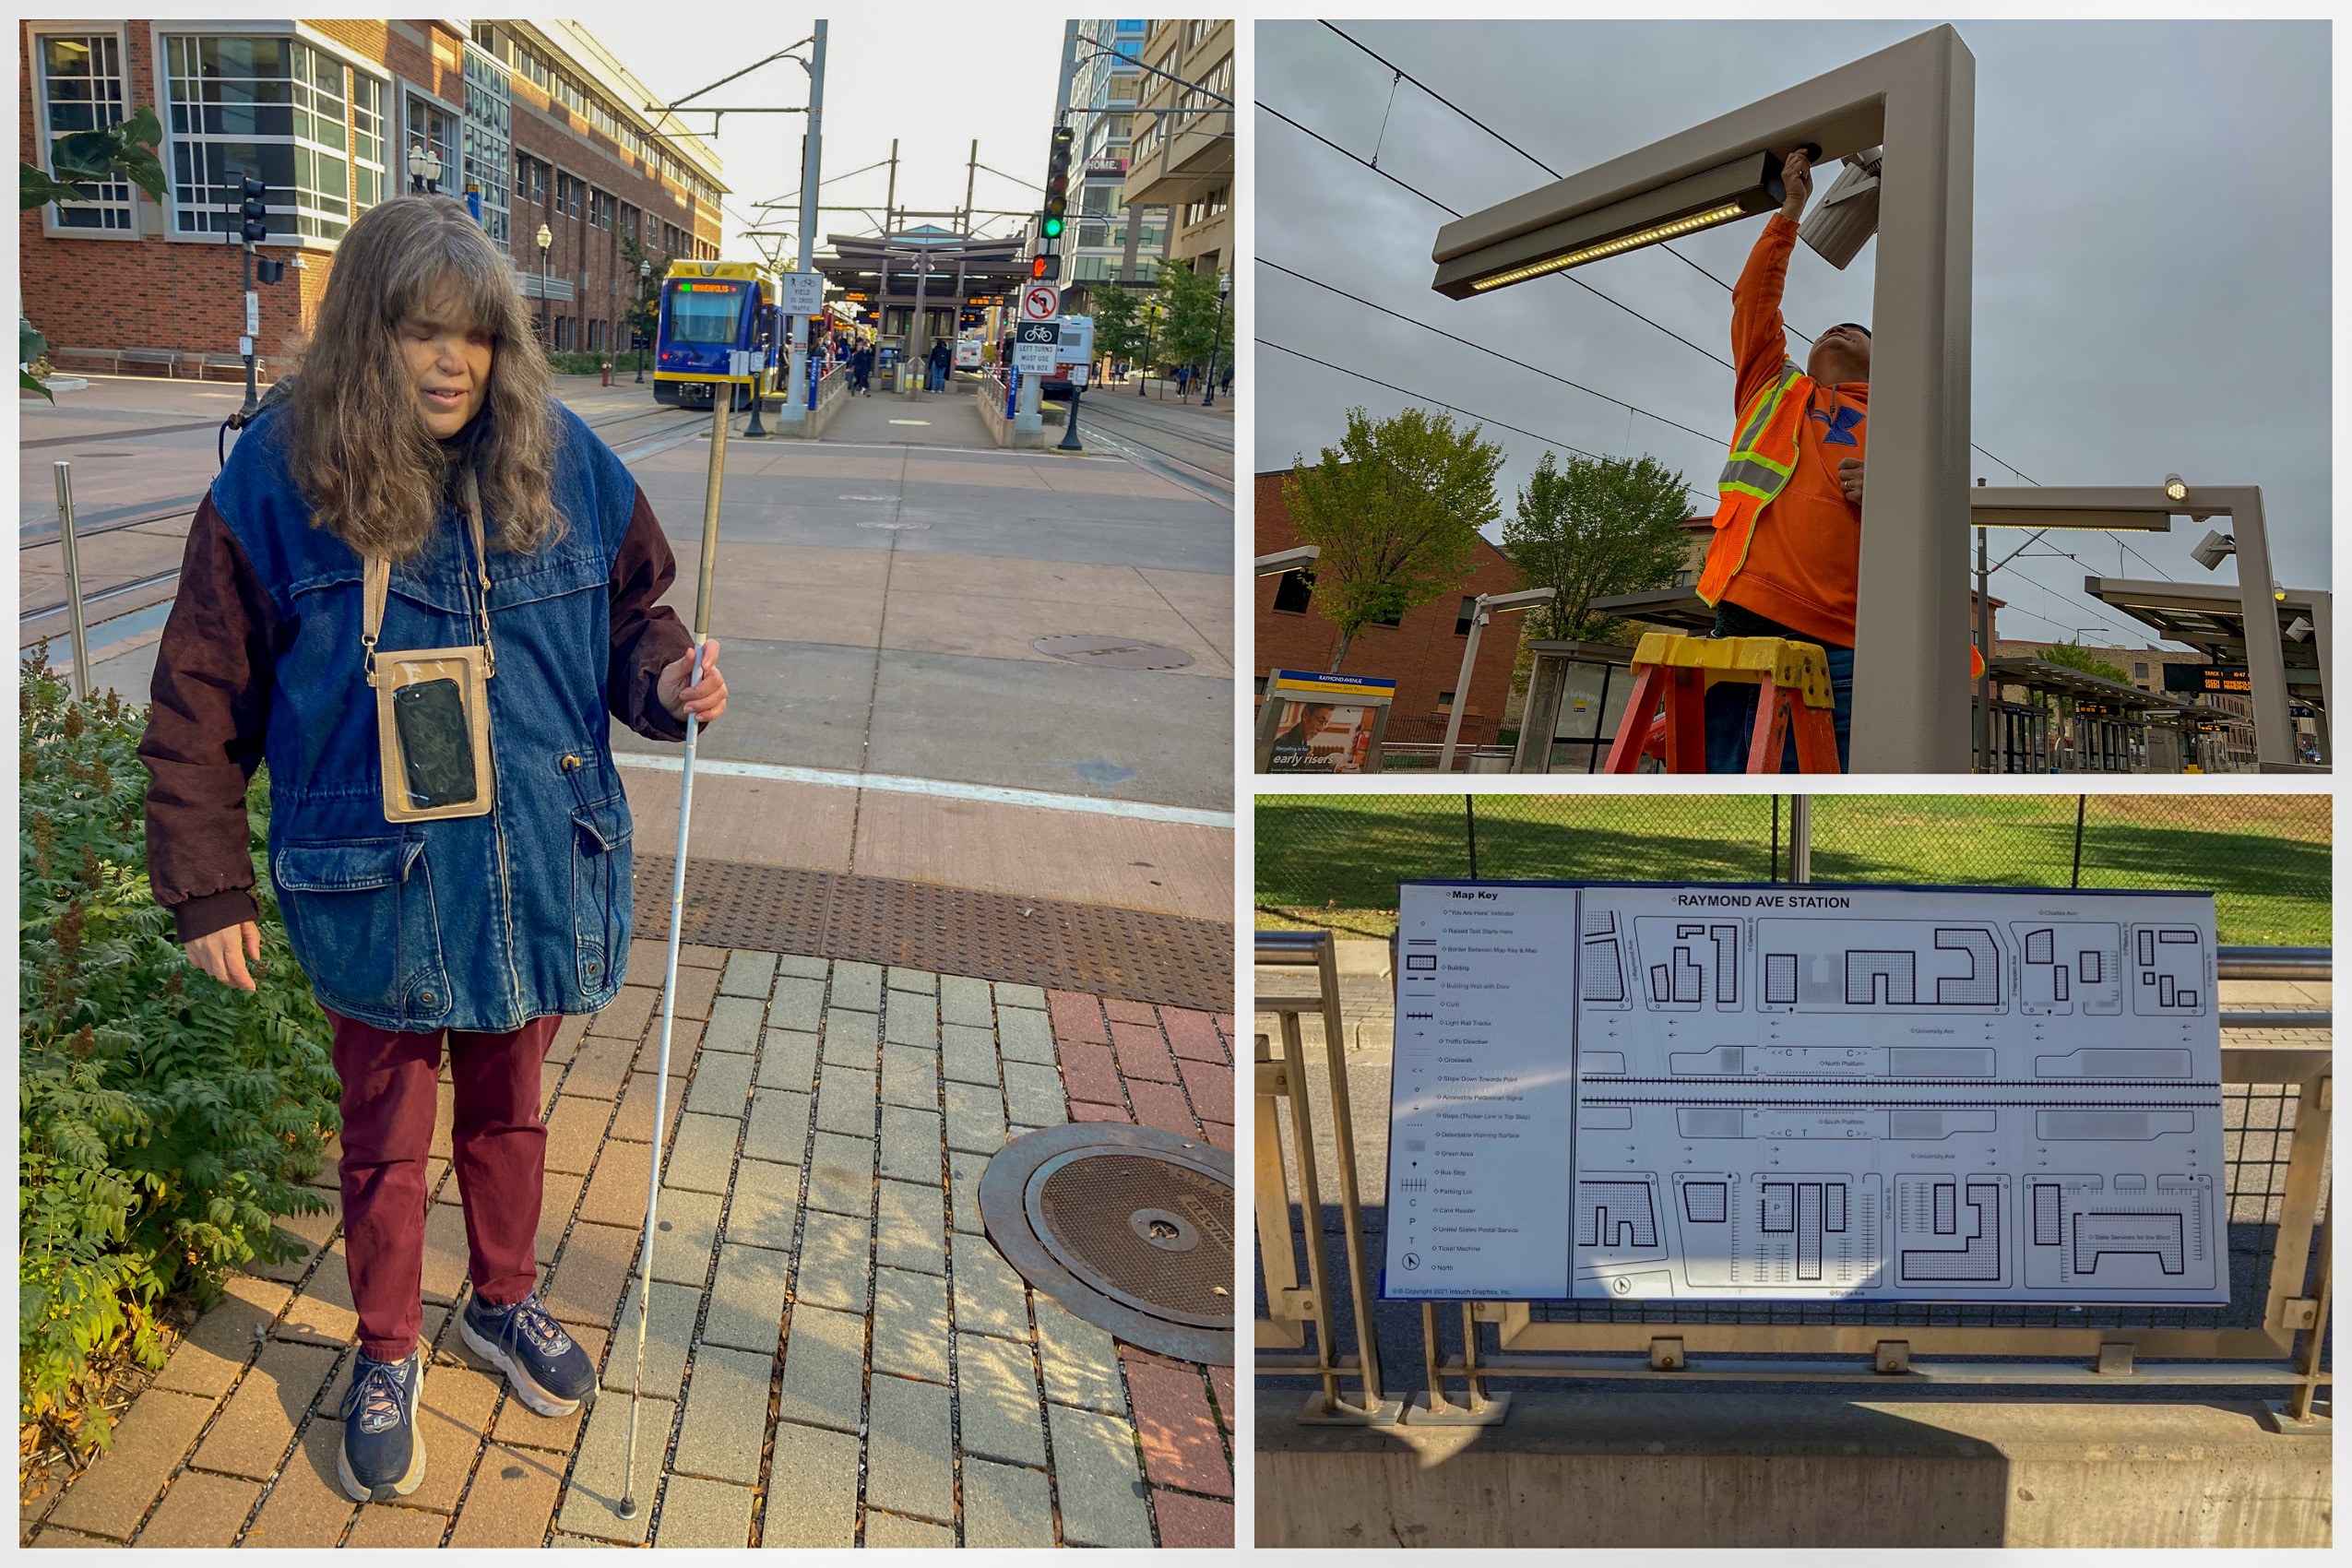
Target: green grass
(1335, 861)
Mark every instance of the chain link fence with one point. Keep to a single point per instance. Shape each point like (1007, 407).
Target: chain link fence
(1335, 861)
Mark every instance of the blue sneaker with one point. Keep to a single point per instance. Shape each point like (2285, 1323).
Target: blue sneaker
(545, 1365)
(382, 1457)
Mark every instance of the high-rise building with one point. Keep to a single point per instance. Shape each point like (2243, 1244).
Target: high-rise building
(1181, 155)
(1111, 242)
(536, 121)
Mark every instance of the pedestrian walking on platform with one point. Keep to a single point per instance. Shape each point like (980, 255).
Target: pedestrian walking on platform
(418, 590)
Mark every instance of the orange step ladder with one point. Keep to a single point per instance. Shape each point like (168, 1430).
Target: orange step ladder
(1676, 670)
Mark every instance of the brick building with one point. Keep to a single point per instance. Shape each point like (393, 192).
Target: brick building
(1423, 653)
(538, 119)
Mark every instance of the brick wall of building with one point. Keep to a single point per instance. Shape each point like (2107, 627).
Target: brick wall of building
(149, 292)
(1421, 654)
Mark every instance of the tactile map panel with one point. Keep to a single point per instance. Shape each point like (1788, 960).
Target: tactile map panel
(1813, 1093)
(1095, 949)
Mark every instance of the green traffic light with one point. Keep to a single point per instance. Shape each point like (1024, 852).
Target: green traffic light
(1053, 228)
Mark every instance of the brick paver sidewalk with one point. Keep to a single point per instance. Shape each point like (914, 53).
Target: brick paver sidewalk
(837, 1356)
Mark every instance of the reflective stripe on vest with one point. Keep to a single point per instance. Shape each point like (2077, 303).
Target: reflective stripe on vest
(1762, 457)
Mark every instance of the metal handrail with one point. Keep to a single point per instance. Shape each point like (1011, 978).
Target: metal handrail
(2284, 1350)
(1283, 1079)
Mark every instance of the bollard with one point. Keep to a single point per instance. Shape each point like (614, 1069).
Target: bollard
(608, 373)
(1070, 426)
(73, 580)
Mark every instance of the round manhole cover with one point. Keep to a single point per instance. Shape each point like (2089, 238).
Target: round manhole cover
(1129, 1228)
(1111, 653)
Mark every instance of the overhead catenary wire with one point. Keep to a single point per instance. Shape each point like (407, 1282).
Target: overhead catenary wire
(1452, 407)
(1439, 98)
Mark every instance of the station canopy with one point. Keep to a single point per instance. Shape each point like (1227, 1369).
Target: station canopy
(2060, 680)
(2211, 618)
(859, 264)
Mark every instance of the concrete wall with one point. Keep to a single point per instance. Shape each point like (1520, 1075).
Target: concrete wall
(1004, 432)
(1714, 1466)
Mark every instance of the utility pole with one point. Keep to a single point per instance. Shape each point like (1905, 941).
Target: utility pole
(798, 403)
(1026, 415)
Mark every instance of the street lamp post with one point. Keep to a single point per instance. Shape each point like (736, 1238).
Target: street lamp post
(645, 273)
(546, 237)
(1209, 393)
(424, 171)
(1143, 382)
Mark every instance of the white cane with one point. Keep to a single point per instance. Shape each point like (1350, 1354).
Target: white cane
(721, 396)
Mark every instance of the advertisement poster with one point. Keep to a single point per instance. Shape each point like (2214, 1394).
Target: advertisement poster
(1323, 723)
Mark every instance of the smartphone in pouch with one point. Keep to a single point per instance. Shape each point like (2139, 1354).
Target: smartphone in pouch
(437, 745)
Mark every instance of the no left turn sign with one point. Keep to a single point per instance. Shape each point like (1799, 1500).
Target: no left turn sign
(1041, 302)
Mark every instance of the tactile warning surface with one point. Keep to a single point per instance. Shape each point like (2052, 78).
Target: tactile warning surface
(1091, 947)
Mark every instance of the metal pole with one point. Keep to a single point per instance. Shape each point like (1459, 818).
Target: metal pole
(712, 486)
(2265, 651)
(73, 580)
(1462, 687)
(811, 162)
(252, 322)
(1215, 341)
(1069, 442)
(1800, 838)
(1984, 646)
(1910, 620)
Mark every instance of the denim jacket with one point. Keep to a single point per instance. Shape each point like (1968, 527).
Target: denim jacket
(478, 923)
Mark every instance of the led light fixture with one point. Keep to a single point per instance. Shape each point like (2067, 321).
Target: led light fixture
(2174, 489)
(1740, 189)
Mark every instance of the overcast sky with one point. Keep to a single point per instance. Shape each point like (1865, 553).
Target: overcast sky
(2152, 257)
(933, 80)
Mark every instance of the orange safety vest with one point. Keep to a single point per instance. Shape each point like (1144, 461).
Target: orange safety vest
(1762, 457)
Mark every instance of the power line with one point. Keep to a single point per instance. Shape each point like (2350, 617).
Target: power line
(1547, 168)
(1384, 174)
(1455, 407)
(1630, 408)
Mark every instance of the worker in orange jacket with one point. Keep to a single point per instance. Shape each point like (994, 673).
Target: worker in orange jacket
(1788, 532)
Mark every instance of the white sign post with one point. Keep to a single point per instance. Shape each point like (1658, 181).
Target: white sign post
(1041, 302)
(1811, 1092)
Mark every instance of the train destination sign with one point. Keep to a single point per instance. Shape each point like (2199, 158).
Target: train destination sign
(1848, 1093)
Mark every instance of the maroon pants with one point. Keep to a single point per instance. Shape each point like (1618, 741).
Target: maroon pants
(500, 1149)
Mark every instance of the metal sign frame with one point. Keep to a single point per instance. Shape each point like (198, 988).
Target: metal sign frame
(1338, 691)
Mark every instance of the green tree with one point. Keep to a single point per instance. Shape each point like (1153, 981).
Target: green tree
(125, 150)
(2073, 655)
(1192, 322)
(1595, 528)
(1397, 508)
(1118, 322)
(644, 302)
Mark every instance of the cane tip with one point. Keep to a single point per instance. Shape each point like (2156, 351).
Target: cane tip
(628, 1509)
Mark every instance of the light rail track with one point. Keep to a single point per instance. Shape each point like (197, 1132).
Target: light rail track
(645, 444)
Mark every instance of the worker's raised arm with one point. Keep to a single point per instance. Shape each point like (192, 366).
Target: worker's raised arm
(1759, 339)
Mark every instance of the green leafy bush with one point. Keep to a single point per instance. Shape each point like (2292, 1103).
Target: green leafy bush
(575, 362)
(165, 1118)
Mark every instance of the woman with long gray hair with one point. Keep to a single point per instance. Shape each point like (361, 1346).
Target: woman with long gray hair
(416, 592)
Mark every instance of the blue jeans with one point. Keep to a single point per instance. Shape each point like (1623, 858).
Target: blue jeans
(1731, 705)
(938, 379)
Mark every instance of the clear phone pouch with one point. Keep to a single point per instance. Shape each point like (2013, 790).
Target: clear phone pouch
(432, 706)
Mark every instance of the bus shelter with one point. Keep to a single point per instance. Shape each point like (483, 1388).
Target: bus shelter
(2069, 721)
(1577, 694)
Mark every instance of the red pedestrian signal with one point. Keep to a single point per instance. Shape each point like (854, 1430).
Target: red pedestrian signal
(1037, 265)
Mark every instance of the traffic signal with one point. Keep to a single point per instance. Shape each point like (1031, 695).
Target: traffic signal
(267, 271)
(1057, 185)
(256, 215)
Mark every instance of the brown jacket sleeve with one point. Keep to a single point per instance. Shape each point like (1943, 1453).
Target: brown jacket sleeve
(210, 707)
(646, 635)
